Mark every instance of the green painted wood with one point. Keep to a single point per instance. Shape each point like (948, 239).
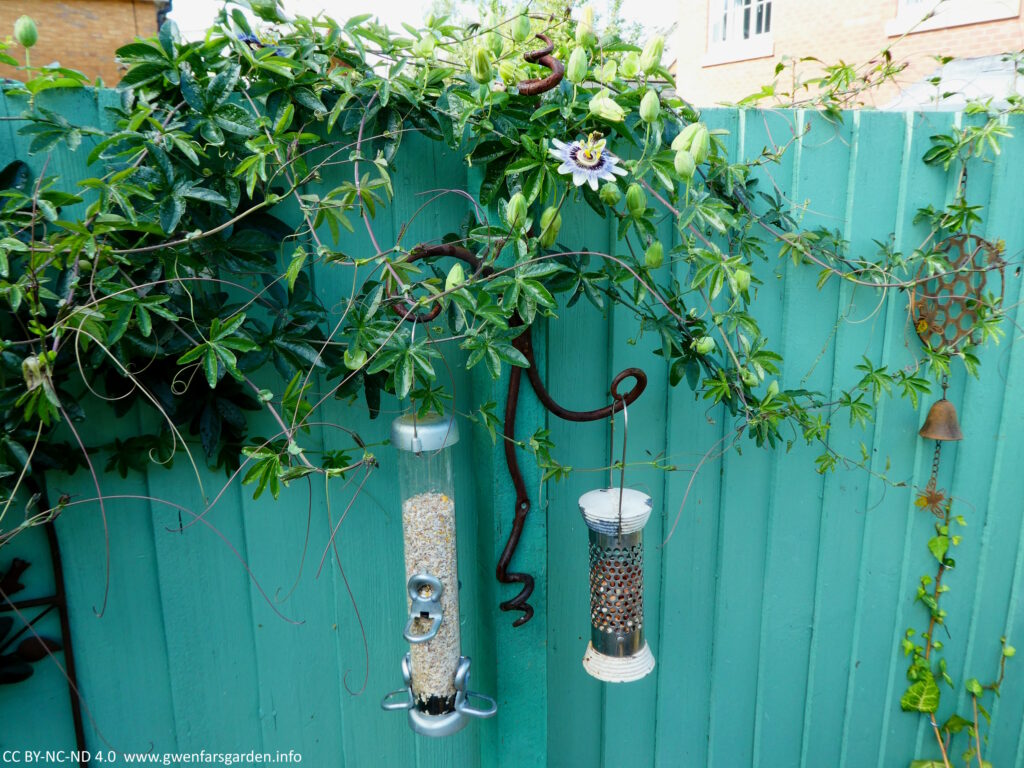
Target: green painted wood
(851, 497)
(520, 653)
(690, 561)
(745, 519)
(580, 338)
(774, 611)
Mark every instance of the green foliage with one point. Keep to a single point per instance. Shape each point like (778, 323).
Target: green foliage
(177, 275)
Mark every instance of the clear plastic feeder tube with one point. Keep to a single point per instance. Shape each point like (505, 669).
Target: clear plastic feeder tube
(617, 652)
(428, 527)
(435, 673)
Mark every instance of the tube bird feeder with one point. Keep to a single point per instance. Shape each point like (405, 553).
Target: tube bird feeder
(435, 674)
(615, 517)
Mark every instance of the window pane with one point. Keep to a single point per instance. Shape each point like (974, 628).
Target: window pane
(746, 22)
(768, 16)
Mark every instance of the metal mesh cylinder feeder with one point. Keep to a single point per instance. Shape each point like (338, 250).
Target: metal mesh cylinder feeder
(615, 517)
(435, 674)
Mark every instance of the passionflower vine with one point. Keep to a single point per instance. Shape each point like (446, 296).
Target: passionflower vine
(587, 160)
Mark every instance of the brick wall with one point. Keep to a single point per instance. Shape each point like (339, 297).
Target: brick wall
(80, 34)
(829, 30)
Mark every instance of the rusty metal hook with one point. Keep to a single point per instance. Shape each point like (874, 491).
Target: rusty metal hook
(524, 344)
(545, 59)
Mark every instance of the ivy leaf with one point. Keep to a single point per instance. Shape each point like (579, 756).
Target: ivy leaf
(922, 696)
(938, 546)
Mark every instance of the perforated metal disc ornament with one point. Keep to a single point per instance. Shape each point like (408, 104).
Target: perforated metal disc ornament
(945, 308)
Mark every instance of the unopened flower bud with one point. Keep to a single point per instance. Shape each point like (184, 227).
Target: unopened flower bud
(550, 223)
(610, 194)
(654, 256)
(578, 64)
(495, 43)
(515, 211)
(604, 106)
(424, 47)
(650, 58)
(703, 345)
(685, 165)
(700, 148)
(521, 28)
(650, 107)
(585, 29)
(685, 138)
(355, 358)
(480, 65)
(636, 199)
(25, 32)
(630, 65)
(507, 71)
(742, 279)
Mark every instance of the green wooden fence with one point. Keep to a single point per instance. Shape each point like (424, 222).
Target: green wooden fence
(775, 611)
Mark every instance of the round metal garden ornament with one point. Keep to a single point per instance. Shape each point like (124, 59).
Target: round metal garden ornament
(615, 517)
(436, 675)
(946, 307)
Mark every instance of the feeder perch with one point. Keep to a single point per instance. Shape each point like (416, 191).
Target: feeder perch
(435, 674)
(617, 652)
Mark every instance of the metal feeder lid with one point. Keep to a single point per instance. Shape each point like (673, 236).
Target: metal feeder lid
(600, 510)
(432, 432)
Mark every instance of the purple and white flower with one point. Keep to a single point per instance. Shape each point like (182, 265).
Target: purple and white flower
(587, 160)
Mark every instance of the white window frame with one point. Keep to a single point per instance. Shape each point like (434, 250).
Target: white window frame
(948, 13)
(736, 48)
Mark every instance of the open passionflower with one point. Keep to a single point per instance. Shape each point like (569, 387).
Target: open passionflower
(588, 161)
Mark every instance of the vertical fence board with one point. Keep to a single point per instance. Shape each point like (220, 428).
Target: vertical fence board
(851, 494)
(747, 482)
(695, 435)
(629, 713)
(578, 339)
(821, 188)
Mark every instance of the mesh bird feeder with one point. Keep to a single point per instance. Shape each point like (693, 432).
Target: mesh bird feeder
(435, 674)
(615, 517)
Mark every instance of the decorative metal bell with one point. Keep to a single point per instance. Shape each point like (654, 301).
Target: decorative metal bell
(617, 652)
(435, 675)
(941, 422)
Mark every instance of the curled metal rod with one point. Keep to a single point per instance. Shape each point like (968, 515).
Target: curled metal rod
(545, 59)
(520, 601)
(524, 344)
(433, 251)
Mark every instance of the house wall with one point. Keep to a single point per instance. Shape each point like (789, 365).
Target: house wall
(827, 30)
(79, 34)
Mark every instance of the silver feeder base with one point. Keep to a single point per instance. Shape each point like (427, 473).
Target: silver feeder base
(450, 722)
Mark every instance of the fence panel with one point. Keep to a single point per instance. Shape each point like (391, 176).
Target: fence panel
(774, 610)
